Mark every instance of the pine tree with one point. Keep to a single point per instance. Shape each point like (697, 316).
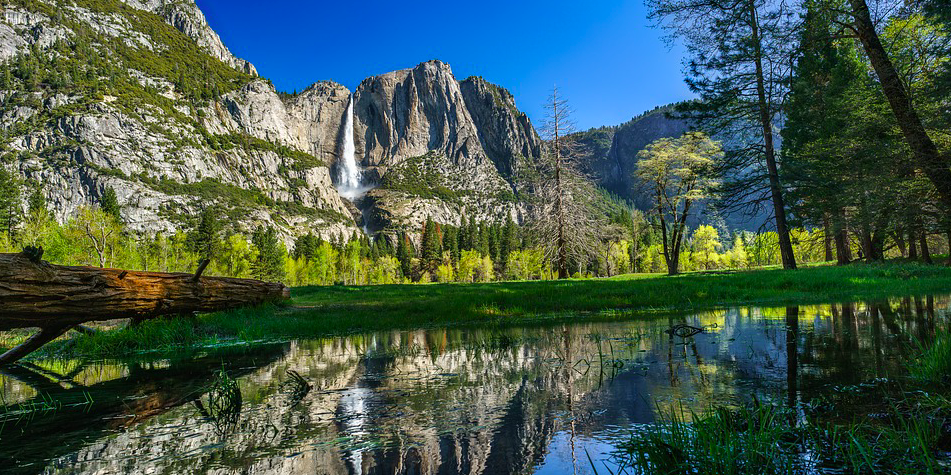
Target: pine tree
(36, 202)
(205, 239)
(405, 254)
(431, 250)
(9, 201)
(109, 203)
(269, 263)
(450, 241)
(509, 239)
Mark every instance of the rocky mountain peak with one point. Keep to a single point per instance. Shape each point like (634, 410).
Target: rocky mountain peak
(187, 18)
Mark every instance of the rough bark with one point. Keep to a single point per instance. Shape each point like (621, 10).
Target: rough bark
(38, 294)
(843, 253)
(935, 167)
(925, 252)
(912, 245)
(775, 188)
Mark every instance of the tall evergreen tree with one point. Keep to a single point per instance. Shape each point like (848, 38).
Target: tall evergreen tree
(9, 200)
(205, 237)
(739, 57)
(36, 202)
(405, 253)
(109, 203)
(431, 247)
(268, 265)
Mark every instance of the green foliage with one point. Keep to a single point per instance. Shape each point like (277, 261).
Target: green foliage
(204, 239)
(300, 160)
(767, 439)
(934, 363)
(36, 202)
(416, 177)
(109, 203)
(268, 263)
(9, 200)
(748, 440)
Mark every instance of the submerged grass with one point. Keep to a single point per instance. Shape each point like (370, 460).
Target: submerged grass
(882, 426)
(934, 363)
(774, 440)
(321, 311)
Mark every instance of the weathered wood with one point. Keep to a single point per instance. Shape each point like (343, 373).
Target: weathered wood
(201, 268)
(39, 294)
(40, 338)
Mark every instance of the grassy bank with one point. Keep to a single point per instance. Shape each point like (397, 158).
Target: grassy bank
(317, 311)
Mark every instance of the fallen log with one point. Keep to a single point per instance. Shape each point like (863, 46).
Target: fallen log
(35, 293)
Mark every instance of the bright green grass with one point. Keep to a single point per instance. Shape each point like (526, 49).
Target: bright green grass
(321, 311)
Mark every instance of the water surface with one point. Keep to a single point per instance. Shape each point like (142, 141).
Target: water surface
(493, 401)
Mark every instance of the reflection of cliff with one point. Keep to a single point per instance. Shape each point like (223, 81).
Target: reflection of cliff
(497, 401)
(79, 413)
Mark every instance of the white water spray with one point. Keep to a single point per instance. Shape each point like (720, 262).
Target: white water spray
(349, 173)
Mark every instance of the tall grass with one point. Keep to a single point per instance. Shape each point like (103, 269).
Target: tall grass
(769, 440)
(934, 363)
(321, 311)
(751, 440)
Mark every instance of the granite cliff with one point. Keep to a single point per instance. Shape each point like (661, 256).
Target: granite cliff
(143, 97)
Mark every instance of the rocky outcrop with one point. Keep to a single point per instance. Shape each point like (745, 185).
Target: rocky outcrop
(506, 133)
(609, 154)
(452, 144)
(170, 144)
(186, 17)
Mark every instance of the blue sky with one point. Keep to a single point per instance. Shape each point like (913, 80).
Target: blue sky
(603, 54)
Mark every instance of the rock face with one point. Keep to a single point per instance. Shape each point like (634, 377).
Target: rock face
(609, 157)
(439, 147)
(170, 141)
(609, 154)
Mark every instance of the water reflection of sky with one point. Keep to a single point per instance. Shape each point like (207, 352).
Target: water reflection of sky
(520, 400)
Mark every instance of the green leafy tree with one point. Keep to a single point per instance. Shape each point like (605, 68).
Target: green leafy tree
(738, 52)
(678, 172)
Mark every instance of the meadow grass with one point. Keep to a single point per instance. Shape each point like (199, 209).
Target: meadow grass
(331, 310)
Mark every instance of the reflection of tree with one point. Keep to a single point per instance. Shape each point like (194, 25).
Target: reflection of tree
(792, 355)
(495, 400)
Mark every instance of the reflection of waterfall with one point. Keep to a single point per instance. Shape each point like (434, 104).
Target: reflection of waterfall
(348, 171)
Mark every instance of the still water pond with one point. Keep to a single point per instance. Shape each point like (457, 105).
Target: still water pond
(490, 401)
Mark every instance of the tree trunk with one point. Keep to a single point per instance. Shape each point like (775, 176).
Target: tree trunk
(776, 192)
(38, 294)
(926, 153)
(925, 253)
(843, 253)
(899, 237)
(949, 248)
(912, 245)
(827, 238)
(44, 336)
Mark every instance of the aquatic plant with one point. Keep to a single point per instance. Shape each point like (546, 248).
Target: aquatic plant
(751, 439)
(223, 405)
(934, 363)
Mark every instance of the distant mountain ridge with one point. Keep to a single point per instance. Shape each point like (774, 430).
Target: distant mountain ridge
(143, 97)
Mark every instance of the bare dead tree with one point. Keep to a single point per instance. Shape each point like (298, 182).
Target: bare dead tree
(565, 223)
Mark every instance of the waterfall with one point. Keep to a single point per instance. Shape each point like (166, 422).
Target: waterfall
(349, 175)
